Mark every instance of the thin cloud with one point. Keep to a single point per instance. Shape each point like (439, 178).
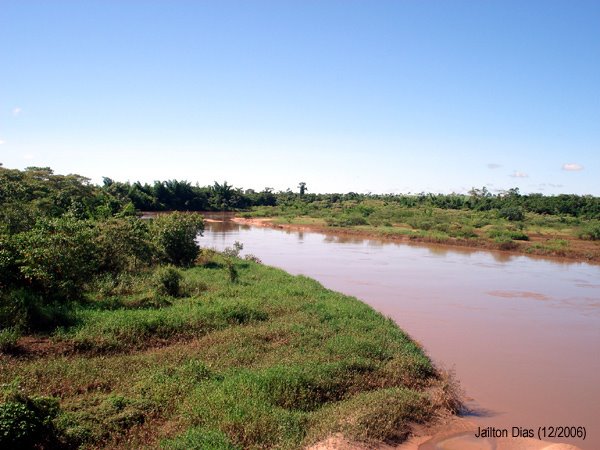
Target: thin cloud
(572, 167)
(2, 142)
(494, 166)
(28, 156)
(517, 174)
(543, 186)
(16, 111)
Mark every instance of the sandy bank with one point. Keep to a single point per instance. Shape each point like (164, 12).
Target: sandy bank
(453, 433)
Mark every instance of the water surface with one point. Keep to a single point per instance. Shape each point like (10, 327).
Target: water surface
(522, 334)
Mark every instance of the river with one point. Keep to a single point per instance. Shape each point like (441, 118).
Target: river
(521, 334)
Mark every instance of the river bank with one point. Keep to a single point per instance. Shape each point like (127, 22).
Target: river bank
(518, 331)
(262, 359)
(538, 245)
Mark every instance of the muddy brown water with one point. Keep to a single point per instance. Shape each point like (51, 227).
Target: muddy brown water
(521, 334)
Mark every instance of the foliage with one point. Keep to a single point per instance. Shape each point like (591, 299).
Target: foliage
(27, 422)
(24, 309)
(8, 339)
(591, 232)
(253, 258)
(512, 213)
(234, 251)
(57, 256)
(347, 220)
(506, 233)
(123, 244)
(167, 280)
(303, 188)
(231, 270)
(37, 192)
(174, 236)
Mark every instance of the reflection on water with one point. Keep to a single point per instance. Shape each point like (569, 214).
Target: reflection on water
(523, 334)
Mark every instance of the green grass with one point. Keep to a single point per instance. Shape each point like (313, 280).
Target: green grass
(270, 361)
(488, 229)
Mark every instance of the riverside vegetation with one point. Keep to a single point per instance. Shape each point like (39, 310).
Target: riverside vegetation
(561, 225)
(117, 331)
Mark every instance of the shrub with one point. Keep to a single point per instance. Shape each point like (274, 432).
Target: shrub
(123, 244)
(590, 232)
(234, 252)
(346, 220)
(174, 236)
(253, 258)
(24, 309)
(512, 213)
(231, 270)
(8, 339)
(167, 280)
(57, 257)
(27, 422)
(506, 234)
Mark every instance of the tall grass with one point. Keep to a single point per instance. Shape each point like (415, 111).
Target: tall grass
(272, 361)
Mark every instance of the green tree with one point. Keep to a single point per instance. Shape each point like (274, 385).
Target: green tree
(303, 188)
(57, 257)
(174, 236)
(123, 244)
(222, 195)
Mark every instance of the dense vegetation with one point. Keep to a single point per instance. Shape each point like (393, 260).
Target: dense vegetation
(117, 331)
(58, 234)
(176, 195)
(561, 225)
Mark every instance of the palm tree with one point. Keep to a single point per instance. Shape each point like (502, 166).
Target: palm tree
(222, 194)
(303, 188)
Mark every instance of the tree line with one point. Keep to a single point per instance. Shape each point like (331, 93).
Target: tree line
(35, 192)
(174, 195)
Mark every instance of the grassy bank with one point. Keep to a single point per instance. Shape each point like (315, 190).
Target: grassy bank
(511, 229)
(269, 360)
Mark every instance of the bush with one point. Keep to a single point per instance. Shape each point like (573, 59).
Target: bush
(512, 213)
(8, 339)
(123, 244)
(167, 280)
(231, 270)
(57, 257)
(253, 258)
(505, 234)
(233, 252)
(27, 422)
(590, 232)
(346, 220)
(24, 309)
(174, 236)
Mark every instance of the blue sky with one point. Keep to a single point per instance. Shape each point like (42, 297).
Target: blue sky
(379, 96)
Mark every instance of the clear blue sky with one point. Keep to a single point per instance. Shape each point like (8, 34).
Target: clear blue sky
(380, 96)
